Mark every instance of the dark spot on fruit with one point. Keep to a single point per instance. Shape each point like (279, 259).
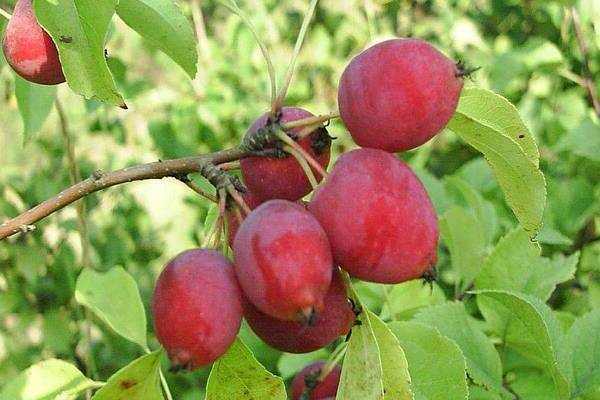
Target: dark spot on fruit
(127, 384)
(66, 39)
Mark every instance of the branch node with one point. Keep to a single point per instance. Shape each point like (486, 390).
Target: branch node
(97, 175)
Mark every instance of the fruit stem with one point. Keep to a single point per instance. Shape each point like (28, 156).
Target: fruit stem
(200, 191)
(5, 14)
(317, 119)
(165, 385)
(230, 166)
(333, 360)
(302, 161)
(234, 8)
(299, 41)
(310, 159)
(239, 199)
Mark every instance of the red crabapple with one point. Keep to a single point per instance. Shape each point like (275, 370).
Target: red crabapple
(335, 320)
(398, 94)
(283, 260)
(29, 49)
(324, 390)
(283, 178)
(380, 222)
(197, 307)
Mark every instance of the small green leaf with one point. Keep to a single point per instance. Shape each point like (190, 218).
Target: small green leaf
(290, 364)
(79, 30)
(493, 127)
(407, 298)
(531, 384)
(238, 375)
(516, 265)
(362, 373)
(466, 246)
(453, 321)
(583, 141)
(47, 380)
(584, 344)
(115, 299)
(436, 364)
(529, 326)
(35, 104)
(396, 379)
(163, 24)
(137, 381)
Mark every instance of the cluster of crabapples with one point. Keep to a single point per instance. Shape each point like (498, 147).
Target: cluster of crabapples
(371, 219)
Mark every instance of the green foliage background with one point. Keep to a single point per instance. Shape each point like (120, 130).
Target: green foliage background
(528, 53)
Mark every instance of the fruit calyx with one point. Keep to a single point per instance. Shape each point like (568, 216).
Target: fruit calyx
(464, 71)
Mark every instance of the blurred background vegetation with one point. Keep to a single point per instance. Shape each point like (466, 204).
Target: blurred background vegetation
(527, 50)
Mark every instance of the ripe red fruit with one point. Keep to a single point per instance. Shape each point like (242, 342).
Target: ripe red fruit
(324, 390)
(335, 320)
(197, 307)
(378, 217)
(283, 260)
(398, 94)
(283, 178)
(29, 49)
(232, 219)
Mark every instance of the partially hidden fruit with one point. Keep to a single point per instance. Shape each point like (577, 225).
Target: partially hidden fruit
(197, 308)
(398, 94)
(29, 49)
(283, 178)
(283, 260)
(378, 217)
(232, 219)
(324, 390)
(335, 320)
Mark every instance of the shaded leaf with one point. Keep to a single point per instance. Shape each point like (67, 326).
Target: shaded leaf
(35, 104)
(115, 299)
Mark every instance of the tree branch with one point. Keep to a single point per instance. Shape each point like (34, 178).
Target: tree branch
(588, 77)
(99, 181)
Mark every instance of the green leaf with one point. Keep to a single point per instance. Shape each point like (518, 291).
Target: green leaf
(115, 299)
(529, 326)
(137, 381)
(466, 246)
(362, 373)
(405, 299)
(237, 375)
(290, 364)
(45, 381)
(163, 24)
(79, 28)
(584, 345)
(482, 209)
(453, 321)
(583, 141)
(35, 104)
(396, 379)
(533, 385)
(494, 111)
(516, 265)
(492, 126)
(436, 364)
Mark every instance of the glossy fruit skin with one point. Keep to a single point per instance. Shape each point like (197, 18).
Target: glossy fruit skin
(231, 217)
(29, 49)
(283, 260)
(398, 94)
(283, 178)
(324, 390)
(197, 307)
(335, 320)
(384, 228)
